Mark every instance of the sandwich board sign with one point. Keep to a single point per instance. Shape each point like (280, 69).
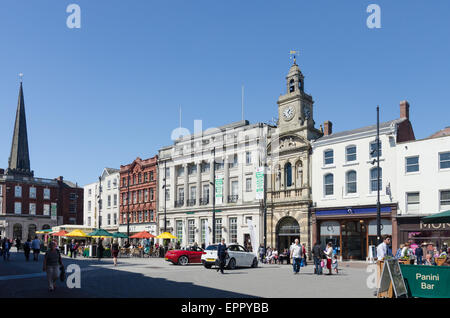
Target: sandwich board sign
(392, 275)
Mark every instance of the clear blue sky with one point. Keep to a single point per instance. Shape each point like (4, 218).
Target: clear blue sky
(104, 94)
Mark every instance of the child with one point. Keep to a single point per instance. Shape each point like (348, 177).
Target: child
(334, 264)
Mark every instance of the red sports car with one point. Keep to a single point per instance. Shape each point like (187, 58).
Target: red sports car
(183, 257)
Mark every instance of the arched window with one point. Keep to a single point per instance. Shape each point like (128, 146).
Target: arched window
(328, 184)
(291, 86)
(374, 179)
(351, 184)
(288, 174)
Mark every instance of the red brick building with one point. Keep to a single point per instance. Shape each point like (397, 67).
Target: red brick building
(138, 181)
(27, 203)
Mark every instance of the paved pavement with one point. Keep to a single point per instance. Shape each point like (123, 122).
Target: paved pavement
(156, 278)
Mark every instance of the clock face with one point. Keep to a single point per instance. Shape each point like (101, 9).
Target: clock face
(288, 112)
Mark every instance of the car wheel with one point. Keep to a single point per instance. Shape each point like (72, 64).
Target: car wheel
(232, 264)
(255, 263)
(208, 266)
(183, 260)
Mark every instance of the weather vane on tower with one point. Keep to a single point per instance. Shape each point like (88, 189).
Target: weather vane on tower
(21, 77)
(292, 54)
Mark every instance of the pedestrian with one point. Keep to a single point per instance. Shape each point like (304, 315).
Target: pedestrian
(296, 255)
(100, 249)
(317, 257)
(419, 255)
(27, 249)
(304, 254)
(261, 253)
(52, 265)
(36, 247)
(334, 264)
(222, 255)
(18, 244)
(6, 246)
(115, 251)
(382, 248)
(329, 255)
(398, 254)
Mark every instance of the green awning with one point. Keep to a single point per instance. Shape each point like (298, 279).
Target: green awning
(100, 232)
(443, 217)
(119, 235)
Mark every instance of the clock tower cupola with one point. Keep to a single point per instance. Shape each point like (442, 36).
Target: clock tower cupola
(295, 107)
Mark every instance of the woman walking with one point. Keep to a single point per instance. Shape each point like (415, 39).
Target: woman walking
(329, 254)
(27, 249)
(115, 251)
(52, 261)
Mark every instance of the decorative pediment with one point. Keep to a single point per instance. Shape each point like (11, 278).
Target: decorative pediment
(287, 143)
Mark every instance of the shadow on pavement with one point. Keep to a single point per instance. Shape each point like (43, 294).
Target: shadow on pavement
(97, 282)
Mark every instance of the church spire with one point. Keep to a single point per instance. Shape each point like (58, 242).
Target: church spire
(19, 160)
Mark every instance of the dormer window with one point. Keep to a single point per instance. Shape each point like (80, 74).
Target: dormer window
(291, 86)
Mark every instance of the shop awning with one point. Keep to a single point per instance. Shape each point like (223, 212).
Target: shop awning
(143, 234)
(166, 235)
(77, 233)
(60, 233)
(47, 231)
(443, 217)
(119, 235)
(100, 233)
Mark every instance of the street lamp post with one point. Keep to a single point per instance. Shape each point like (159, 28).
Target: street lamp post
(99, 202)
(165, 197)
(378, 178)
(214, 196)
(128, 204)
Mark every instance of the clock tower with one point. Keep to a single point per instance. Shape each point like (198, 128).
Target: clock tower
(295, 108)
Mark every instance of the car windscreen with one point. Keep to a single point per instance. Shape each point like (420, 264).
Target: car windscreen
(211, 248)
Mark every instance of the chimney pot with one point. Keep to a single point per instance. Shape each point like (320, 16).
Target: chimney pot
(327, 128)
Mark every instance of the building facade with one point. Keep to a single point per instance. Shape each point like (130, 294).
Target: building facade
(345, 184)
(289, 163)
(27, 203)
(101, 204)
(138, 196)
(423, 188)
(186, 177)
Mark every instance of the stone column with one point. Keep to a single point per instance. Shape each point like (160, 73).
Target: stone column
(226, 180)
(282, 181)
(211, 179)
(199, 184)
(186, 184)
(306, 173)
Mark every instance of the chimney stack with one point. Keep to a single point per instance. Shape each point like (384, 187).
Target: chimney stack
(404, 109)
(327, 128)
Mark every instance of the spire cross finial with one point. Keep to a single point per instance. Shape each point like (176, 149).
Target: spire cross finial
(21, 77)
(292, 53)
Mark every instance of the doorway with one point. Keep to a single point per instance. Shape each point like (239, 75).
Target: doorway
(354, 240)
(287, 231)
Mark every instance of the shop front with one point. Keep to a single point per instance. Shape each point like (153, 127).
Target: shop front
(412, 230)
(351, 230)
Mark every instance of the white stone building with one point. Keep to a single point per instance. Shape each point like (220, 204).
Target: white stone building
(239, 150)
(423, 188)
(344, 185)
(103, 212)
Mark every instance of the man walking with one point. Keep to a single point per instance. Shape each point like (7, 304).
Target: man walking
(419, 255)
(317, 256)
(6, 245)
(261, 253)
(36, 246)
(222, 255)
(296, 255)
